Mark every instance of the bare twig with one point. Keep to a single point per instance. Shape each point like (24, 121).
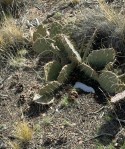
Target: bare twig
(95, 112)
(118, 97)
(97, 136)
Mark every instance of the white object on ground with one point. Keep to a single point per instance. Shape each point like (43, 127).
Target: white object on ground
(84, 87)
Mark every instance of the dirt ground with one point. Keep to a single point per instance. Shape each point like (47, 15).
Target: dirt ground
(91, 122)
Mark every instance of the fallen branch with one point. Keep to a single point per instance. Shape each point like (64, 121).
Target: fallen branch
(98, 136)
(118, 97)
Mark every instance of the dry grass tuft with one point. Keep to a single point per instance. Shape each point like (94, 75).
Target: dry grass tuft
(110, 14)
(10, 32)
(113, 17)
(19, 59)
(14, 145)
(23, 132)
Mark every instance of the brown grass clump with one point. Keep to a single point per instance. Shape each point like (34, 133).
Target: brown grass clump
(111, 15)
(10, 32)
(19, 59)
(14, 145)
(23, 132)
(114, 17)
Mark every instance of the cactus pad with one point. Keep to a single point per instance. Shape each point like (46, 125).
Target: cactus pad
(56, 28)
(49, 88)
(43, 100)
(60, 45)
(100, 58)
(40, 32)
(110, 82)
(65, 73)
(42, 45)
(72, 53)
(89, 71)
(61, 50)
(52, 70)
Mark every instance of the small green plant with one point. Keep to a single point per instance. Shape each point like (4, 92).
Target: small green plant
(64, 101)
(111, 146)
(123, 146)
(47, 121)
(67, 123)
(37, 128)
(100, 146)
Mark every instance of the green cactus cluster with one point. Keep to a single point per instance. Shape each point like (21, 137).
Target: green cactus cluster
(98, 64)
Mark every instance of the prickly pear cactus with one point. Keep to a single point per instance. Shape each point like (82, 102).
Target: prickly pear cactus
(110, 82)
(40, 32)
(97, 65)
(89, 71)
(49, 88)
(55, 28)
(43, 45)
(73, 55)
(43, 99)
(65, 73)
(100, 58)
(52, 70)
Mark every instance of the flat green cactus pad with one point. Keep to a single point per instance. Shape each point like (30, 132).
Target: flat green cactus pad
(43, 100)
(49, 88)
(65, 73)
(40, 32)
(60, 45)
(69, 47)
(89, 71)
(55, 28)
(110, 82)
(42, 45)
(52, 70)
(61, 50)
(100, 58)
